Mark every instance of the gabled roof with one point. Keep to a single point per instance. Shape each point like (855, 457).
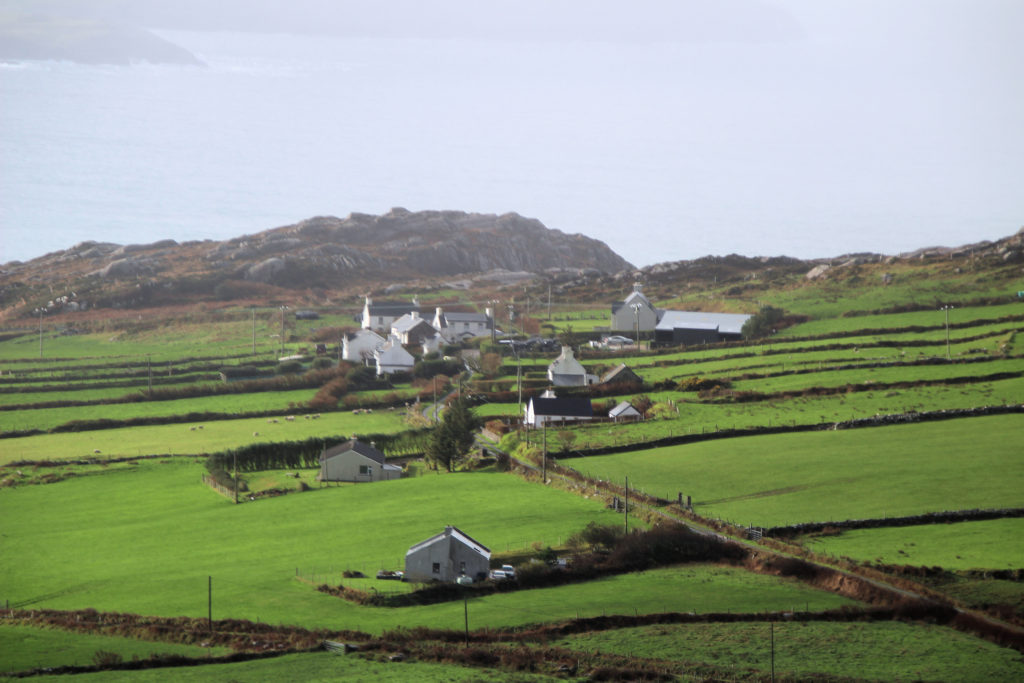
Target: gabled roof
(726, 323)
(619, 373)
(391, 308)
(569, 406)
(566, 364)
(623, 408)
(456, 317)
(363, 449)
(408, 322)
(451, 533)
(363, 333)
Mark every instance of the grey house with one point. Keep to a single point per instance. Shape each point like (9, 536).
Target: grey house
(355, 461)
(446, 557)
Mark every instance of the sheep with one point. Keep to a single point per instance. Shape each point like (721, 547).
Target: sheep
(290, 418)
(255, 433)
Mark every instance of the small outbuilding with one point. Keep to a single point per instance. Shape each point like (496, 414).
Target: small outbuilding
(355, 461)
(624, 411)
(446, 557)
(621, 374)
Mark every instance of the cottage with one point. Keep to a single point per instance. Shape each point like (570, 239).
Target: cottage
(621, 374)
(457, 326)
(412, 329)
(566, 371)
(547, 408)
(624, 411)
(355, 461)
(358, 347)
(380, 315)
(634, 313)
(446, 557)
(391, 357)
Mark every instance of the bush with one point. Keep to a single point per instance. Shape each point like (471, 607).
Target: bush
(289, 367)
(105, 659)
(323, 363)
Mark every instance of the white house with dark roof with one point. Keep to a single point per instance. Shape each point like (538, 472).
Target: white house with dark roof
(391, 357)
(358, 347)
(447, 556)
(412, 329)
(380, 315)
(566, 371)
(457, 326)
(355, 461)
(547, 408)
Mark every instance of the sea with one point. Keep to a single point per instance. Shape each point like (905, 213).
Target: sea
(664, 151)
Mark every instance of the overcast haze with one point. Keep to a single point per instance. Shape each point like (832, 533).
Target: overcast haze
(669, 130)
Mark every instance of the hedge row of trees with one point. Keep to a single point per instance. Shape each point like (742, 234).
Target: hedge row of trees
(306, 454)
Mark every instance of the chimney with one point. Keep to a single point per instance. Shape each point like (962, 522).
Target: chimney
(637, 286)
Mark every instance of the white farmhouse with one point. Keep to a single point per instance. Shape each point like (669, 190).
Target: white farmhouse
(391, 357)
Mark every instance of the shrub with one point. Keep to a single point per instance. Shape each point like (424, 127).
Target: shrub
(323, 363)
(106, 660)
(289, 367)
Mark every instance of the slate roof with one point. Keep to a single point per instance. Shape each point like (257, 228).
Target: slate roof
(453, 533)
(622, 408)
(568, 406)
(725, 323)
(363, 449)
(620, 373)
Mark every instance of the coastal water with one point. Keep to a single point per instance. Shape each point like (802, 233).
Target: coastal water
(664, 151)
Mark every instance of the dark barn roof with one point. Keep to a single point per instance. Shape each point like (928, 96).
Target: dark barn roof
(569, 406)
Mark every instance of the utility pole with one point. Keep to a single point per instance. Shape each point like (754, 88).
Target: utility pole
(282, 330)
(772, 632)
(149, 372)
(234, 466)
(254, 330)
(40, 333)
(549, 301)
(209, 603)
(465, 613)
(946, 308)
(544, 454)
(626, 506)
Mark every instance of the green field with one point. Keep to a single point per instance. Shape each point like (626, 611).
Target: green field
(890, 651)
(181, 439)
(25, 647)
(834, 475)
(963, 545)
(169, 533)
(310, 668)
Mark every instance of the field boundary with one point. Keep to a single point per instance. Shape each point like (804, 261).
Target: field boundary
(945, 517)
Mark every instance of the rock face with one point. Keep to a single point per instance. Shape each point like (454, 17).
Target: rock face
(330, 253)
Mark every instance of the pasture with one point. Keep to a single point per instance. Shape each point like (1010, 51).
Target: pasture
(834, 475)
(144, 539)
(25, 647)
(963, 545)
(891, 651)
(182, 439)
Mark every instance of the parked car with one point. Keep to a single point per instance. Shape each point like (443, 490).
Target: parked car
(510, 571)
(617, 339)
(464, 580)
(498, 575)
(392, 576)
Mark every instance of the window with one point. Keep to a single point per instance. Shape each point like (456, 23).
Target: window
(436, 568)
(462, 567)
(364, 469)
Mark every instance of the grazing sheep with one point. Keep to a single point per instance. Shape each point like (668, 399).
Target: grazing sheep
(290, 418)
(96, 451)
(317, 416)
(191, 429)
(255, 433)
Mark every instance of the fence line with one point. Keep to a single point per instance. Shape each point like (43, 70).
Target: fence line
(223, 490)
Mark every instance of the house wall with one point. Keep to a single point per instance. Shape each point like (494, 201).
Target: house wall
(346, 467)
(623, 320)
(682, 335)
(449, 555)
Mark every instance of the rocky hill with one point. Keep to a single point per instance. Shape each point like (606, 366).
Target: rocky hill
(360, 253)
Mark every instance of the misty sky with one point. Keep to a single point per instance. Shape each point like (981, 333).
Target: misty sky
(899, 118)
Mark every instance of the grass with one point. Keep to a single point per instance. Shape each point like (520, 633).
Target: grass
(25, 647)
(180, 439)
(890, 651)
(312, 668)
(835, 475)
(964, 545)
(930, 318)
(169, 533)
